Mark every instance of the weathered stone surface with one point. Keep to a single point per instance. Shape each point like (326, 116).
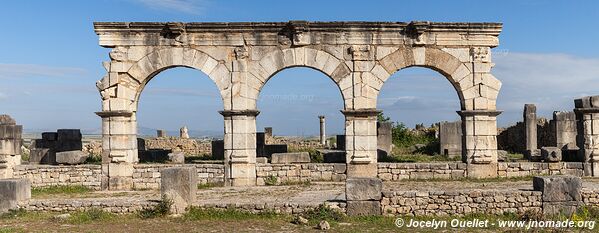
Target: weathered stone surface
(262, 160)
(363, 208)
(42, 156)
(176, 157)
(558, 188)
(450, 138)
(161, 133)
(253, 52)
(363, 189)
(71, 157)
(184, 132)
(218, 149)
(384, 138)
(14, 193)
(294, 157)
(551, 154)
(7, 120)
(179, 184)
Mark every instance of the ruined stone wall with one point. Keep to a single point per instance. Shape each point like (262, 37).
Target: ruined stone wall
(300, 172)
(518, 169)
(513, 139)
(188, 146)
(420, 203)
(415, 171)
(49, 175)
(147, 176)
(296, 143)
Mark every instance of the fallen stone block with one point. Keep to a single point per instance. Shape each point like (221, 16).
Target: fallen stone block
(71, 157)
(286, 158)
(551, 154)
(14, 193)
(42, 156)
(363, 189)
(179, 184)
(363, 208)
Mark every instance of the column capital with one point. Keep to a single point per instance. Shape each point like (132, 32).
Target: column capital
(365, 112)
(246, 112)
(465, 113)
(122, 113)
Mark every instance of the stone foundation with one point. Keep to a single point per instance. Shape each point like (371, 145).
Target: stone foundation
(300, 172)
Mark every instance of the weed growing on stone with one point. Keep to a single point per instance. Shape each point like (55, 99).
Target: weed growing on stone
(270, 180)
(161, 209)
(210, 185)
(324, 212)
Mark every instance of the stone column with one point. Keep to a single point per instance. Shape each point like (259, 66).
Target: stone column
(323, 137)
(530, 132)
(360, 142)
(10, 146)
(119, 149)
(479, 142)
(240, 147)
(184, 132)
(587, 115)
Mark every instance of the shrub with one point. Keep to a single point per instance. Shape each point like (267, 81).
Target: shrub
(270, 180)
(162, 209)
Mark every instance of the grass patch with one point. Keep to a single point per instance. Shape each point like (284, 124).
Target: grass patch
(91, 215)
(293, 183)
(94, 159)
(59, 189)
(210, 185)
(163, 208)
(323, 212)
(195, 214)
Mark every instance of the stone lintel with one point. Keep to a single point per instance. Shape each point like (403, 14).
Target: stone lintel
(247, 112)
(105, 114)
(366, 112)
(586, 110)
(465, 113)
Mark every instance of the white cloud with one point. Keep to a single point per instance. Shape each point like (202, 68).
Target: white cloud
(34, 70)
(551, 81)
(185, 6)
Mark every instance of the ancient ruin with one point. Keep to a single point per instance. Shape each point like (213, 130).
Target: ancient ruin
(241, 57)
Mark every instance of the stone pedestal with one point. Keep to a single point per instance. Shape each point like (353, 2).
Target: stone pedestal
(479, 142)
(363, 196)
(14, 193)
(361, 142)
(180, 185)
(10, 145)
(119, 149)
(450, 138)
(240, 147)
(587, 115)
(384, 138)
(561, 194)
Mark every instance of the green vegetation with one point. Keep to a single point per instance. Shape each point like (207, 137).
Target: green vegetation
(196, 213)
(94, 159)
(323, 212)
(90, 215)
(59, 189)
(163, 208)
(270, 180)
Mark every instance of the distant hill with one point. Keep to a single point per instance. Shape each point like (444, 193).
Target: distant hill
(141, 131)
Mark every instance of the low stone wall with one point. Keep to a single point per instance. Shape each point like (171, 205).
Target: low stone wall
(590, 197)
(300, 172)
(535, 168)
(421, 203)
(147, 176)
(49, 175)
(287, 208)
(114, 205)
(414, 171)
(457, 170)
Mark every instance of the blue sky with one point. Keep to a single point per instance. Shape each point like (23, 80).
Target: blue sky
(50, 60)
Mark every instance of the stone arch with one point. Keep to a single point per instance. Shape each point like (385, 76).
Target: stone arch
(159, 60)
(274, 62)
(476, 92)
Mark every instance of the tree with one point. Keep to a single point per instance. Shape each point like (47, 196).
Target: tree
(380, 117)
